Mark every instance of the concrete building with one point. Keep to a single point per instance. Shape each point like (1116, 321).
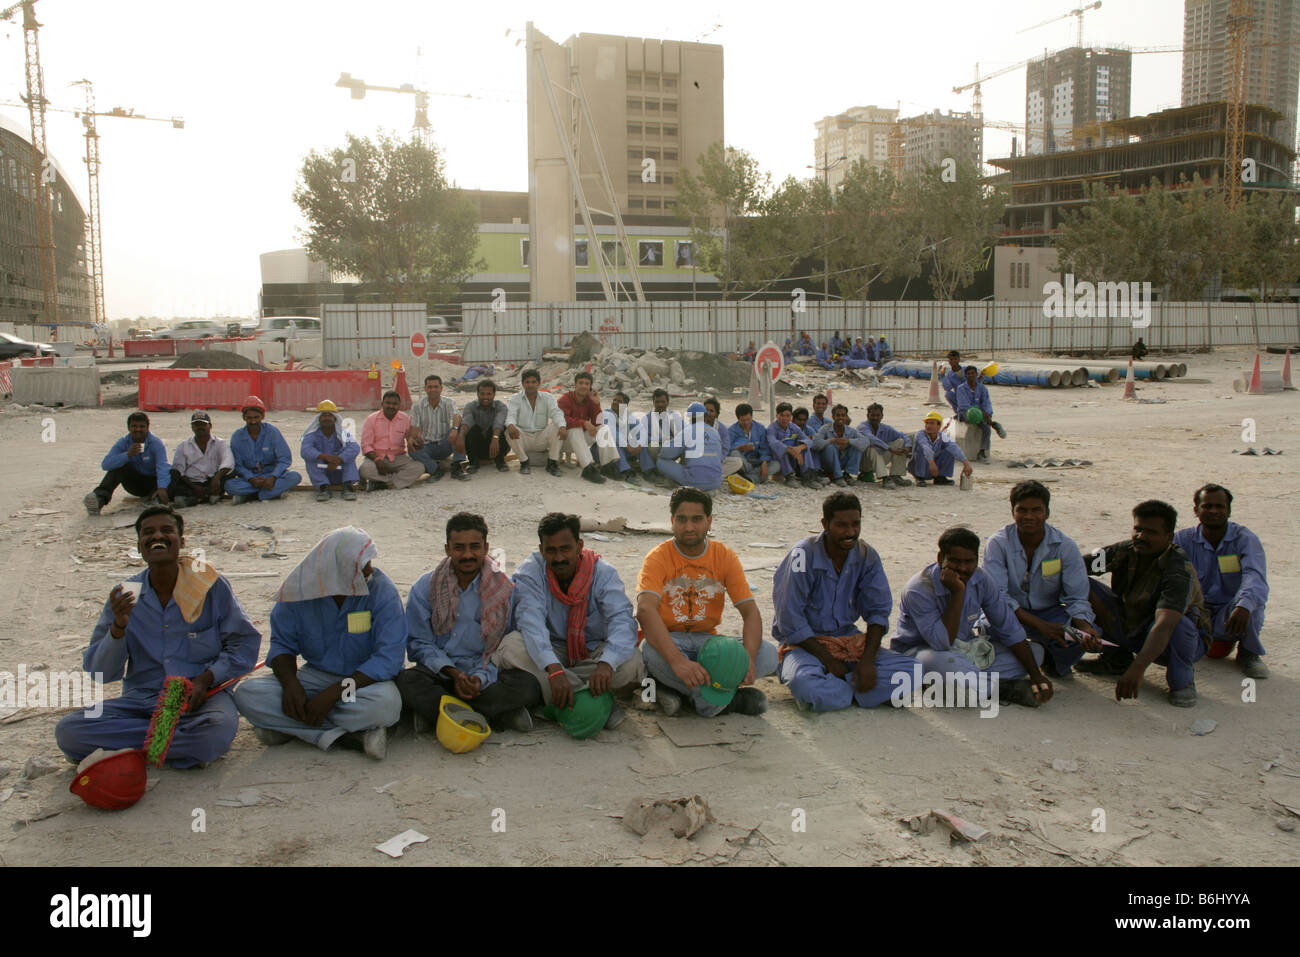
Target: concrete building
(1168, 145)
(933, 137)
(1272, 57)
(22, 300)
(1074, 88)
(861, 133)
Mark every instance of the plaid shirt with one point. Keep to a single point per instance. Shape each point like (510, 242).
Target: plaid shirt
(1168, 582)
(434, 424)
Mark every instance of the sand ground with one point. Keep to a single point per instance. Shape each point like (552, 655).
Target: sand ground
(1169, 797)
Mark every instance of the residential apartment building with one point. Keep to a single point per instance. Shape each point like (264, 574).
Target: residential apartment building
(861, 133)
(1078, 87)
(931, 138)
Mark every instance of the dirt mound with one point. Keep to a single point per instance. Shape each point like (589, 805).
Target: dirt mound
(715, 371)
(214, 359)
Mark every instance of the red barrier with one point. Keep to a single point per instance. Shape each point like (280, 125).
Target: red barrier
(6, 384)
(301, 391)
(165, 390)
(138, 348)
(42, 361)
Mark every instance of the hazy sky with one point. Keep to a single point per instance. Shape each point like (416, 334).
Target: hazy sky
(186, 212)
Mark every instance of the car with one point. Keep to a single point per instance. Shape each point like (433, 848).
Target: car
(283, 328)
(193, 329)
(11, 347)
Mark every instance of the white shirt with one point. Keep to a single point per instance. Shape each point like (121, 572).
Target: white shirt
(199, 466)
(530, 418)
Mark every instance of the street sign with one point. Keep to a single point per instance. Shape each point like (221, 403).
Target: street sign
(417, 344)
(773, 358)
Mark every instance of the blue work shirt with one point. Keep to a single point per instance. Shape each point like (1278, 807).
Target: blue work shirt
(724, 437)
(756, 436)
(159, 643)
(950, 380)
(1057, 578)
(805, 347)
(941, 442)
(823, 356)
(367, 633)
(703, 454)
(811, 598)
(317, 443)
(152, 459)
(268, 455)
(543, 619)
(462, 647)
(779, 439)
(815, 423)
(656, 429)
(837, 344)
(883, 436)
(978, 398)
(1246, 588)
(924, 600)
(883, 350)
(858, 352)
(827, 432)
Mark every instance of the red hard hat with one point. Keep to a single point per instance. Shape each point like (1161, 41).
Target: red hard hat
(113, 783)
(253, 402)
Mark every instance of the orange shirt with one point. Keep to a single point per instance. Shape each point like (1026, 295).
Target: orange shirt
(691, 590)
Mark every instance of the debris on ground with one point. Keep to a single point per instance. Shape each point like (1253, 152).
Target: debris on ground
(394, 846)
(681, 817)
(1065, 765)
(38, 766)
(1204, 725)
(957, 827)
(214, 359)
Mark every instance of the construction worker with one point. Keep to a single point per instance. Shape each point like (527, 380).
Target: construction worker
(934, 454)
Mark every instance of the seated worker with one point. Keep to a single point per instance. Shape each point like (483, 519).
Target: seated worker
(973, 394)
(1153, 612)
(456, 616)
(748, 439)
(622, 429)
(731, 460)
(952, 377)
(839, 446)
(655, 431)
(1230, 567)
(838, 345)
(822, 588)
(262, 458)
(806, 345)
(138, 462)
(683, 585)
(858, 358)
(187, 622)
(572, 625)
(884, 352)
(818, 417)
(534, 423)
(700, 453)
(384, 437)
(871, 348)
(938, 613)
(329, 452)
(827, 359)
(434, 423)
(1042, 574)
(791, 449)
(750, 352)
(934, 454)
(344, 617)
(787, 350)
(800, 418)
(482, 430)
(581, 411)
(888, 450)
(200, 466)
(1139, 351)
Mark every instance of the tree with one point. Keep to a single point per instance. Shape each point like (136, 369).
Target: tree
(870, 239)
(383, 211)
(953, 216)
(1262, 239)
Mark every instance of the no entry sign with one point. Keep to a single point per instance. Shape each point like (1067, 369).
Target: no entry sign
(773, 357)
(418, 344)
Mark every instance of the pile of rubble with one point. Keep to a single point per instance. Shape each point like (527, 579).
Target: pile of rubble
(638, 372)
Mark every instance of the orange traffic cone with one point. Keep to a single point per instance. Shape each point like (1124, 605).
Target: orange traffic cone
(934, 385)
(1254, 388)
(1130, 391)
(402, 389)
(1286, 373)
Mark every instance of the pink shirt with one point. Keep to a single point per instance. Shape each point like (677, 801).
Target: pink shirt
(384, 436)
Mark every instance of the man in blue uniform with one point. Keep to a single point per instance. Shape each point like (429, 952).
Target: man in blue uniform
(934, 454)
(138, 462)
(262, 458)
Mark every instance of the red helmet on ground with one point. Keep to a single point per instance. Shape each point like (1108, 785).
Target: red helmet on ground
(113, 781)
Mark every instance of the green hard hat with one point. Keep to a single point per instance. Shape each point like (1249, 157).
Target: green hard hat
(975, 416)
(726, 661)
(586, 716)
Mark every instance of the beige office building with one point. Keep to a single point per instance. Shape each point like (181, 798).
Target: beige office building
(931, 138)
(861, 133)
(656, 100)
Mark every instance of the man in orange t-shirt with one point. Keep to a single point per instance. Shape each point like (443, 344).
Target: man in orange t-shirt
(681, 593)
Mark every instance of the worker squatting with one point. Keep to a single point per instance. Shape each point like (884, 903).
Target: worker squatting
(559, 639)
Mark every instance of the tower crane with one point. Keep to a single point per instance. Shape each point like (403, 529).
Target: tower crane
(1077, 13)
(420, 126)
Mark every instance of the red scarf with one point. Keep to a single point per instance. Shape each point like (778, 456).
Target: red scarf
(576, 599)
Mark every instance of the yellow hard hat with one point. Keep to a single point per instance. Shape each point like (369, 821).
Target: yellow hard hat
(460, 728)
(325, 405)
(990, 370)
(739, 484)
(932, 417)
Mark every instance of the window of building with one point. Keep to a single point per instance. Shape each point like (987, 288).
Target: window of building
(635, 202)
(652, 203)
(634, 81)
(670, 131)
(670, 156)
(635, 155)
(524, 251)
(634, 129)
(634, 177)
(667, 179)
(633, 104)
(670, 205)
(670, 83)
(653, 154)
(580, 252)
(685, 257)
(652, 129)
(650, 252)
(670, 106)
(652, 82)
(613, 253)
(651, 106)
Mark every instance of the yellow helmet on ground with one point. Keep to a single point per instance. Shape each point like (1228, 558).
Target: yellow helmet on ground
(990, 370)
(460, 728)
(739, 484)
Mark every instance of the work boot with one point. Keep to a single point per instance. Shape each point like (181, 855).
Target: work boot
(810, 481)
(610, 470)
(471, 468)
(460, 474)
(1017, 692)
(849, 479)
(1183, 697)
(553, 467)
(981, 456)
(525, 468)
(616, 717)
(323, 495)
(501, 466)
(270, 737)
(183, 501)
(437, 473)
(901, 481)
(997, 427)
(592, 474)
(631, 478)
(840, 482)
(373, 741)
(1251, 664)
(668, 699)
(942, 480)
(747, 701)
(94, 504)
(240, 499)
(791, 480)
(519, 720)
(349, 495)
